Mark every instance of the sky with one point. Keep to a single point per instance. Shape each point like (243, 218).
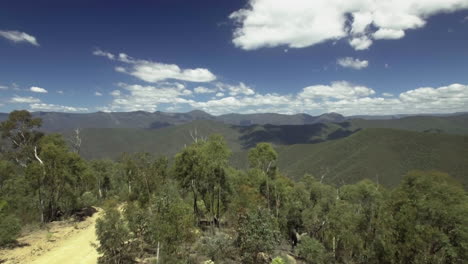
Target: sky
(353, 57)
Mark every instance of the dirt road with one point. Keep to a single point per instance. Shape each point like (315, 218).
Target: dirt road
(71, 244)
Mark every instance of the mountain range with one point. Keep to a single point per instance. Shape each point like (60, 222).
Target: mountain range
(342, 149)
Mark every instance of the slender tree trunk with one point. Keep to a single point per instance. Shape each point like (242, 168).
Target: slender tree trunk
(157, 254)
(268, 192)
(219, 201)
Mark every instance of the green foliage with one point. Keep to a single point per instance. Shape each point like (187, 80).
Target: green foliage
(312, 251)
(200, 169)
(431, 219)
(278, 260)
(382, 155)
(9, 225)
(257, 231)
(19, 130)
(218, 246)
(115, 239)
(56, 177)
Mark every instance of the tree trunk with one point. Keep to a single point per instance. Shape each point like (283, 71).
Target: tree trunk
(157, 254)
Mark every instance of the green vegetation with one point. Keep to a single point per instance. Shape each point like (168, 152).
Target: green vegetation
(383, 155)
(193, 207)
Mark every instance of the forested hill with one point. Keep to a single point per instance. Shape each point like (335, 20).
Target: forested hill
(345, 154)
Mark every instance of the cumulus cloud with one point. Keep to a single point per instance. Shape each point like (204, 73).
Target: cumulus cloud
(24, 100)
(353, 63)
(337, 90)
(36, 89)
(388, 33)
(203, 90)
(240, 89)
(360, 43)
(154, 72)
(98, 94)
(17, 36)
(56, 108)
(303, 23)
(147, 98)
(340, 96)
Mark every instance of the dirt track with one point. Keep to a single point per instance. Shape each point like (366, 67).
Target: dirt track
(70, 243)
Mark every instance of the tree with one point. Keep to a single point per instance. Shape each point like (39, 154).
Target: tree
(55, 177)
(19, 129)
(312, 251)
(257, 231)
(431, 219)
(263, 157)
(200, 169)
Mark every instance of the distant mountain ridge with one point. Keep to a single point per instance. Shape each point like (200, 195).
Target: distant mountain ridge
(57, 121)
(60, 122)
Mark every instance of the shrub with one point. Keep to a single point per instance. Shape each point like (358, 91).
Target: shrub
(311, 250)
(115, 240)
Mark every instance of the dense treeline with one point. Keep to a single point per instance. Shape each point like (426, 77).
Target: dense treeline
(195, 208)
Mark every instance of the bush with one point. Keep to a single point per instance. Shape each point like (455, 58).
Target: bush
(87, 199)
(311, 250)
(217, 247)
(9, 229)
(115, 240)
(257, 232)
(9, 226)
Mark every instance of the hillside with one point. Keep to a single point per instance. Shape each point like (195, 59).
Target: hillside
(111, 142)
(454, 124)
(348, 155)
(384, 155)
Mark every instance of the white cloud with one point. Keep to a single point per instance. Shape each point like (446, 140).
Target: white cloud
(341, 96)
(17, 36)
(203, 90)
(22, 100)
(337, 90)
(240, 89)
(98, 94)
(115, 93)
(388, 33)
(3, 87)
(353, 63)
(56, 108)
(303, 23)
(60, 92)
(99, 52)
(360, 43)
(36, 89)
(147, 98)
(153, 72)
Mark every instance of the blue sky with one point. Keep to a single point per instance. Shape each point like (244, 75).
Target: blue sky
(352, 57)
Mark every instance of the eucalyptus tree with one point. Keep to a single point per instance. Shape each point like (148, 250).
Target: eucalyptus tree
(264, 157)
(201, 170)
(20, 130)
